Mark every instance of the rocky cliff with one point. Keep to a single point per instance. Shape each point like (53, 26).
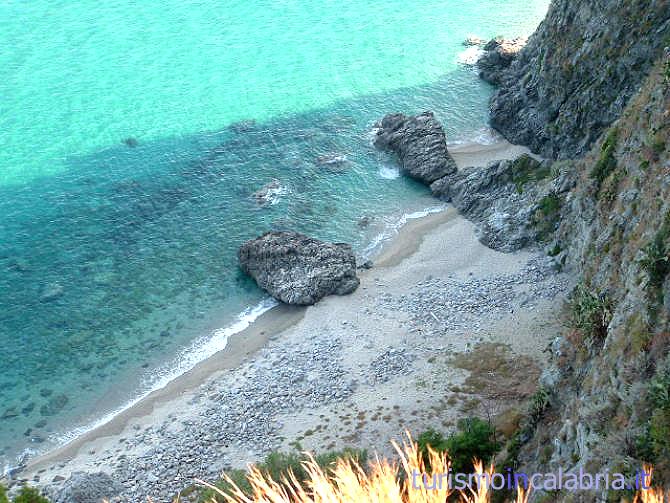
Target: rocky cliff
(608, 387)
(578, 71)
(592, 88)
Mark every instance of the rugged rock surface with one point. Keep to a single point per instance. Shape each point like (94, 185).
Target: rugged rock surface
(606, 405)
(514, 203)
(420, 143)
(578, 71)
(497, 57)
(297, 269)
(88, 488)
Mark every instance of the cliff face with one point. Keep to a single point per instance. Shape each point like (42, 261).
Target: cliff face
(609, 379)
(592, 88)
(578, 71)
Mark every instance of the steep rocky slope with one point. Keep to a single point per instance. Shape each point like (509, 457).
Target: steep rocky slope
(604, 403)
(608, 390)
(578, 71)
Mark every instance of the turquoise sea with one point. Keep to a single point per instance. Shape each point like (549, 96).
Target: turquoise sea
(133, 136)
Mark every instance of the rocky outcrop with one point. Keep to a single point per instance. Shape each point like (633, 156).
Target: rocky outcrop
(297, 269)
(578, 71)
(88, 488)
(513, 203)
(420, 143)
(497, 57)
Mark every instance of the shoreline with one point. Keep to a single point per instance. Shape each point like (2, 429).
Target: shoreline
(240, 346)
(464, 153)
(248, 344)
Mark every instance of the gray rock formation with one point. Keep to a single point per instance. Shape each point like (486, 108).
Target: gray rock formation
(297, 269)
(497, 57)
(88, 488)
(577, 72)
(420, 143)
(505, 200)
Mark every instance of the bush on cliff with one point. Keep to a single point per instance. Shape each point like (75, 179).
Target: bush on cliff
(606, 164)
(475, 439)
(590, 313)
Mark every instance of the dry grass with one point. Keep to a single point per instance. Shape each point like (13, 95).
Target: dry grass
(347, 482)
(383, 482)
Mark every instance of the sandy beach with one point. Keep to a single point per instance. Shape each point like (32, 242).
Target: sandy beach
(440, 328)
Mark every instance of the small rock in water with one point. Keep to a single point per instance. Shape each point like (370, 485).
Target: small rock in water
(333, 161)
(9, 413)
(54, 405)
(364, 221)
(131, 142)
(473, 40)
(269, 193)
(244, 126)
(51, 292)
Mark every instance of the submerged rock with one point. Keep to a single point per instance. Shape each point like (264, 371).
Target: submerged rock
(131, 142)
(54, 405)
(89, 488)
(269, 194)
(297, 269)
(9, 413)
(51, 292)
(334, 162)
(497, 57)
(473, 40)
(420, 143)
(244, 126)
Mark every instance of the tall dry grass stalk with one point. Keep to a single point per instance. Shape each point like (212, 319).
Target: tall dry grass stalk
(656, 495)
(348, 482)
(383, 482)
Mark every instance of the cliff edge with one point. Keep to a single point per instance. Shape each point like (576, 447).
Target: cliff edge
(578, 72)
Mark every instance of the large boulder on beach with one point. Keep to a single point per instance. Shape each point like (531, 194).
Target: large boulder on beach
(88, 488)
(297, 269)
(420, 143)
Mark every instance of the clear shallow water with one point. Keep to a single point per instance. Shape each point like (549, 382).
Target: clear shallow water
(116, 260)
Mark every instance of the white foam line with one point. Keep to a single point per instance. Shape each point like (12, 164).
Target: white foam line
(391, 229)
(198, 351)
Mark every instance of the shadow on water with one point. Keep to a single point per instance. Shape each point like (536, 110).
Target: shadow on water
(113, 265)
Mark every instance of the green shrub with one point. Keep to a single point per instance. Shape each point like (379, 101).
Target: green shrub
(547, 216)
(606, 163)
(29, 495)
(435, 440)
(527, 169)
(653, 445)
(278, 465)
(590, 313)
(476, 439)
(538, 404)
(3, 495)
(655, 259)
